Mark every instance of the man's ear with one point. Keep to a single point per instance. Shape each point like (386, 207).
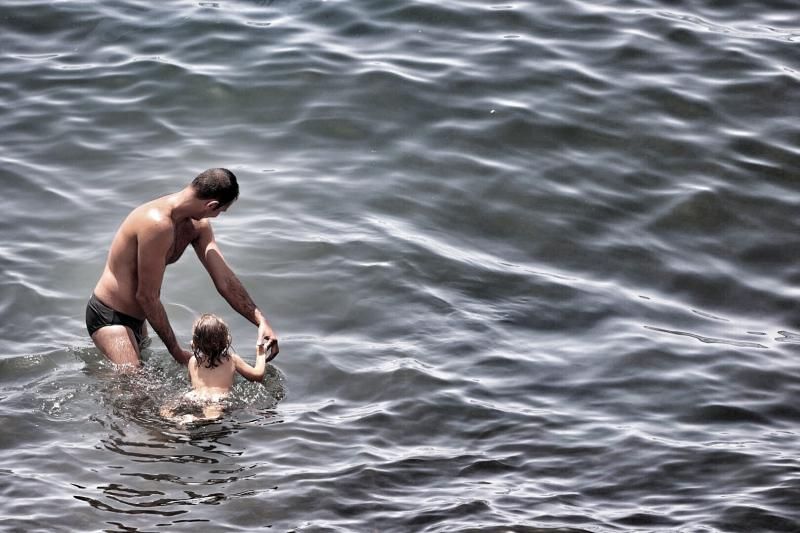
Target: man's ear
(213, 205)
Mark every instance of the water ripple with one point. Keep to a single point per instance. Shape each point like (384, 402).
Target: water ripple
(533, 266)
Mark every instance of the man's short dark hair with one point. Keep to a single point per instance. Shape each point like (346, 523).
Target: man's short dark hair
(216, 184)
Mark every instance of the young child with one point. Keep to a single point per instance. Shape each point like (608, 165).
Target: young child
(212, 367)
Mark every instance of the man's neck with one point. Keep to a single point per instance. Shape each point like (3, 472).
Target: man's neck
(183, 205)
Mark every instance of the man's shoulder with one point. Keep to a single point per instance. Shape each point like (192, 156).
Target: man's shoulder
(203, 223)
(150, 217)
(202, 227)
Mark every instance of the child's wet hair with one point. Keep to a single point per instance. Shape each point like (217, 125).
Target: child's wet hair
(211, 340)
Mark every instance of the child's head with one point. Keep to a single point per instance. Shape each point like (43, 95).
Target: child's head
(211, 340)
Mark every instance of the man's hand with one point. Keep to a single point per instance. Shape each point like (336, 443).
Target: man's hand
(182, 356)
(268, 339)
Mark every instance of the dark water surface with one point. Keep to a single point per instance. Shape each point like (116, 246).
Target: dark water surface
(534, 265)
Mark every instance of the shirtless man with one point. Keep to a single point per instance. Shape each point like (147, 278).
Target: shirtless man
(153, 236)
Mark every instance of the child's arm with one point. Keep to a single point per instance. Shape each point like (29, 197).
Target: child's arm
(252, 373)
(191, 368)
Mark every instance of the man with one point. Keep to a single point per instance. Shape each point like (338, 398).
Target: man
(153, 236)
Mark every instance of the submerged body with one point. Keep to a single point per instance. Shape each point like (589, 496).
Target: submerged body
(212, 369)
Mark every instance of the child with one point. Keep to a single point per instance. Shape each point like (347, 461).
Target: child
(212, 367)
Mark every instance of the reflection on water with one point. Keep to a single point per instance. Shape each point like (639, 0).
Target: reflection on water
(533, 265)
(151, 466)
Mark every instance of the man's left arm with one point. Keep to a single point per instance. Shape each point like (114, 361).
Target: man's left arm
(229, 286)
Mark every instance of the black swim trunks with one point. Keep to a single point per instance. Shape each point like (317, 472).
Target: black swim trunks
(99, 314)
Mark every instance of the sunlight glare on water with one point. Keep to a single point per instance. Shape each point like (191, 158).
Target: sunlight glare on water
(533, 267)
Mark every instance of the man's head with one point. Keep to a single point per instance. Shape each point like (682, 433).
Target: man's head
(216, 185)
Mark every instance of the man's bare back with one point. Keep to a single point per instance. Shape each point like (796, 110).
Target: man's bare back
(153, 236)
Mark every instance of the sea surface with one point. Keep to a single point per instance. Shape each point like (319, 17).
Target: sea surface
(534, 266)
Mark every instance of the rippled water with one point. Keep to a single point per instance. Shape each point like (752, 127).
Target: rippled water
(534, 265)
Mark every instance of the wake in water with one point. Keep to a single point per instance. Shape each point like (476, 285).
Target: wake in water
(93, 388)
(536, 262)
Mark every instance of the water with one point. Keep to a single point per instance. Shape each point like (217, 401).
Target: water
(533, 265)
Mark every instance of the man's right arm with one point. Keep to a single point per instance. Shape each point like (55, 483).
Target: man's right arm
(154, 243)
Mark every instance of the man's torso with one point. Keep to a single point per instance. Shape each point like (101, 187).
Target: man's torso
(119, 282)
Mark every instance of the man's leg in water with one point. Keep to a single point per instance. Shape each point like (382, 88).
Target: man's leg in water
(118, 344)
